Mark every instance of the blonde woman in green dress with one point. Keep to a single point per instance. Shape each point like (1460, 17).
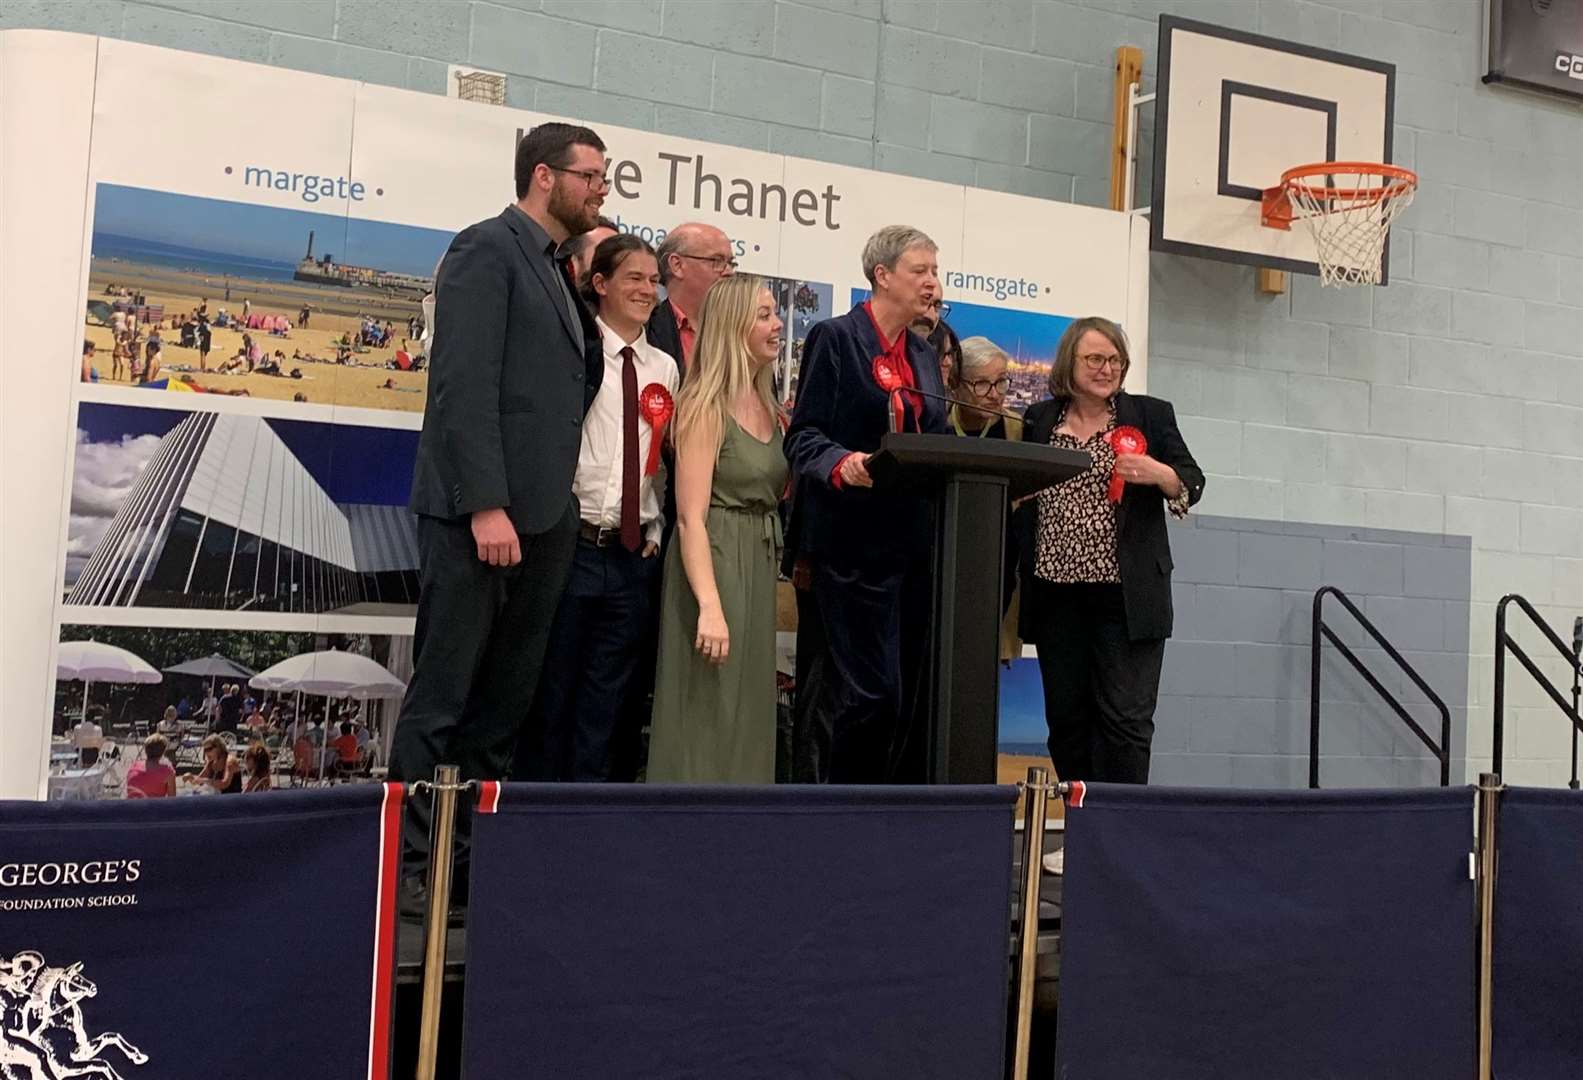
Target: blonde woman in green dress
(714, 693)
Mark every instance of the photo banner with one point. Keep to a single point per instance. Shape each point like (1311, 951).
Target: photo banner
(229, 355)
(170, 939)
(1211, 935)
(671, 932)
(1538, 934)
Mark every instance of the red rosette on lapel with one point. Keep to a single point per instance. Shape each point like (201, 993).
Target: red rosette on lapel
(656, 406)
(890, 380)
(1123, 440)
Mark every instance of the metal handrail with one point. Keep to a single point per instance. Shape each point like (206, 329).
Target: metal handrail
(1503, 642)
(1321, 633)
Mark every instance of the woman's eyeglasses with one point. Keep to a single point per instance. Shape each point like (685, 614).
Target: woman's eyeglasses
(1098, 361)
(983, 387)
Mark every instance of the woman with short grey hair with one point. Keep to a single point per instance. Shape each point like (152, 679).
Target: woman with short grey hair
(863, 545)
(885, 247)
(979, 383)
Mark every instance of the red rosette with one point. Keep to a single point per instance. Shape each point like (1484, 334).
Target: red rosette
(1123, 440)
(889, 378)
(656, 405)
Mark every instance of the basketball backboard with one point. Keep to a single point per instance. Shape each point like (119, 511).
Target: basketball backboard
(1234, 110)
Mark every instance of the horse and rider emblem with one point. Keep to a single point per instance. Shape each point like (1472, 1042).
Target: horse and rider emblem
(42, 1033)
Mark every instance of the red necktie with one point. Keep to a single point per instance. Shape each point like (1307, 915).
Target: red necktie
(631, 531)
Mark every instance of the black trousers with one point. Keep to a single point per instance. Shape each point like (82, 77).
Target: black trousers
(595, 655)
(876, 621)
(479, 648)
(804, 757)
(1100, 686)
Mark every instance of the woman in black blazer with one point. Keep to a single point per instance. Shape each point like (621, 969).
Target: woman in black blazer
(1096, 574)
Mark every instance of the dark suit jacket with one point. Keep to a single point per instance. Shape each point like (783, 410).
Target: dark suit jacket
(841, 409)
(508, 382)
(663, 334)
(1142, 547)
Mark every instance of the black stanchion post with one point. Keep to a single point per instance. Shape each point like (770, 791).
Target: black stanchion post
(1489, 806)
(1036, 792)
(442, 840)
(1577, 693)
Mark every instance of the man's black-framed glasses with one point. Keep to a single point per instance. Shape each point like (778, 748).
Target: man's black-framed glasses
(596, 180)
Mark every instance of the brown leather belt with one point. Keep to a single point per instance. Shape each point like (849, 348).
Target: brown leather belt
(596, 535)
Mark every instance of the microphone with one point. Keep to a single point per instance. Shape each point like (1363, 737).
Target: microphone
(895, 413)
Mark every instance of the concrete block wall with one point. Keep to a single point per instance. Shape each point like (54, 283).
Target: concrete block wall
(1450, 402)
(1235, 692)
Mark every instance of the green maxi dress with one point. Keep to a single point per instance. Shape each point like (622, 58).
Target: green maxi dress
(717, 724)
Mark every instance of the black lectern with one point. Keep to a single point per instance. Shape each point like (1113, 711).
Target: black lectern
(972, 482)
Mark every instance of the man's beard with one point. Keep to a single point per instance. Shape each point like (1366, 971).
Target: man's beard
(574, 214)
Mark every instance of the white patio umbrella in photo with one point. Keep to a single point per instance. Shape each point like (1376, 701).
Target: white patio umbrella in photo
(333, 674)
(95, 661)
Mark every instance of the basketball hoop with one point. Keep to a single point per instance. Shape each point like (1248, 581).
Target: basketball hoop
(1348, 207)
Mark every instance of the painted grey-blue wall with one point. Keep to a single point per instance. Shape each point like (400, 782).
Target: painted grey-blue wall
(1234, 695)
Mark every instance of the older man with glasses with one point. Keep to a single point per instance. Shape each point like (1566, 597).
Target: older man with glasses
(693, 256)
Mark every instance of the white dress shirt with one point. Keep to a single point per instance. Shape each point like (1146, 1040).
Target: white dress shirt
(598, 481)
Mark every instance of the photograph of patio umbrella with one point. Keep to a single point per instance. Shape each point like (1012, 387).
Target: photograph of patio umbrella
(214, 666)
(333, 674)
(94, 661)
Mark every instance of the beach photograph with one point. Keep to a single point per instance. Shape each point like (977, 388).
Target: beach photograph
(197, 295)
(176, 508)
(158, 711)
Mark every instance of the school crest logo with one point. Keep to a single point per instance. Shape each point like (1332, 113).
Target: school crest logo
(42, 1028)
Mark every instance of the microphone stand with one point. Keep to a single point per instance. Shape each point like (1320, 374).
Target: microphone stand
(940, 397)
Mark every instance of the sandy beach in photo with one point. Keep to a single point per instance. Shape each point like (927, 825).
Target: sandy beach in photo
(336, 311)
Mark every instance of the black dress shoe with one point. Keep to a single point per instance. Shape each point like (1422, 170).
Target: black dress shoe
(412, 902)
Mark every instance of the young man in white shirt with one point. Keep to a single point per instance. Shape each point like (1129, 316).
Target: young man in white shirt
(603, 621)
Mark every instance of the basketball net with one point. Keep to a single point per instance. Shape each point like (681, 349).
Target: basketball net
(1348, 207)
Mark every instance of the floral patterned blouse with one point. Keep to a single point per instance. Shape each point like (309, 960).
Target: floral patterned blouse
(1076, 540)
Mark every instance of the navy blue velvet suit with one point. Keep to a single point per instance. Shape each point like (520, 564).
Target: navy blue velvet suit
(870, 549)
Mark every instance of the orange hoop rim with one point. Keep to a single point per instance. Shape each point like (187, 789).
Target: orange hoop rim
(1397, 179)
(1276, 206)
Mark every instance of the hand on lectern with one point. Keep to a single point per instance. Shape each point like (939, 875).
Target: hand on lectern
(854, 471)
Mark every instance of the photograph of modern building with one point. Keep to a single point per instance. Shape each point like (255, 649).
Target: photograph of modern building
(240, 513)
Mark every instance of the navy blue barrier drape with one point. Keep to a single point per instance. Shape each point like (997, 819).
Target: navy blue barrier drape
(1539, 935)
(667, 932)
(1213, 935)
(197, 938)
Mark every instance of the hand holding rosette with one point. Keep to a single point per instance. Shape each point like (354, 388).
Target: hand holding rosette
(1123, 440)
(656, 406)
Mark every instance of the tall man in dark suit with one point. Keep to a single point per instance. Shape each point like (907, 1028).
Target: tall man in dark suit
(510, 381)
